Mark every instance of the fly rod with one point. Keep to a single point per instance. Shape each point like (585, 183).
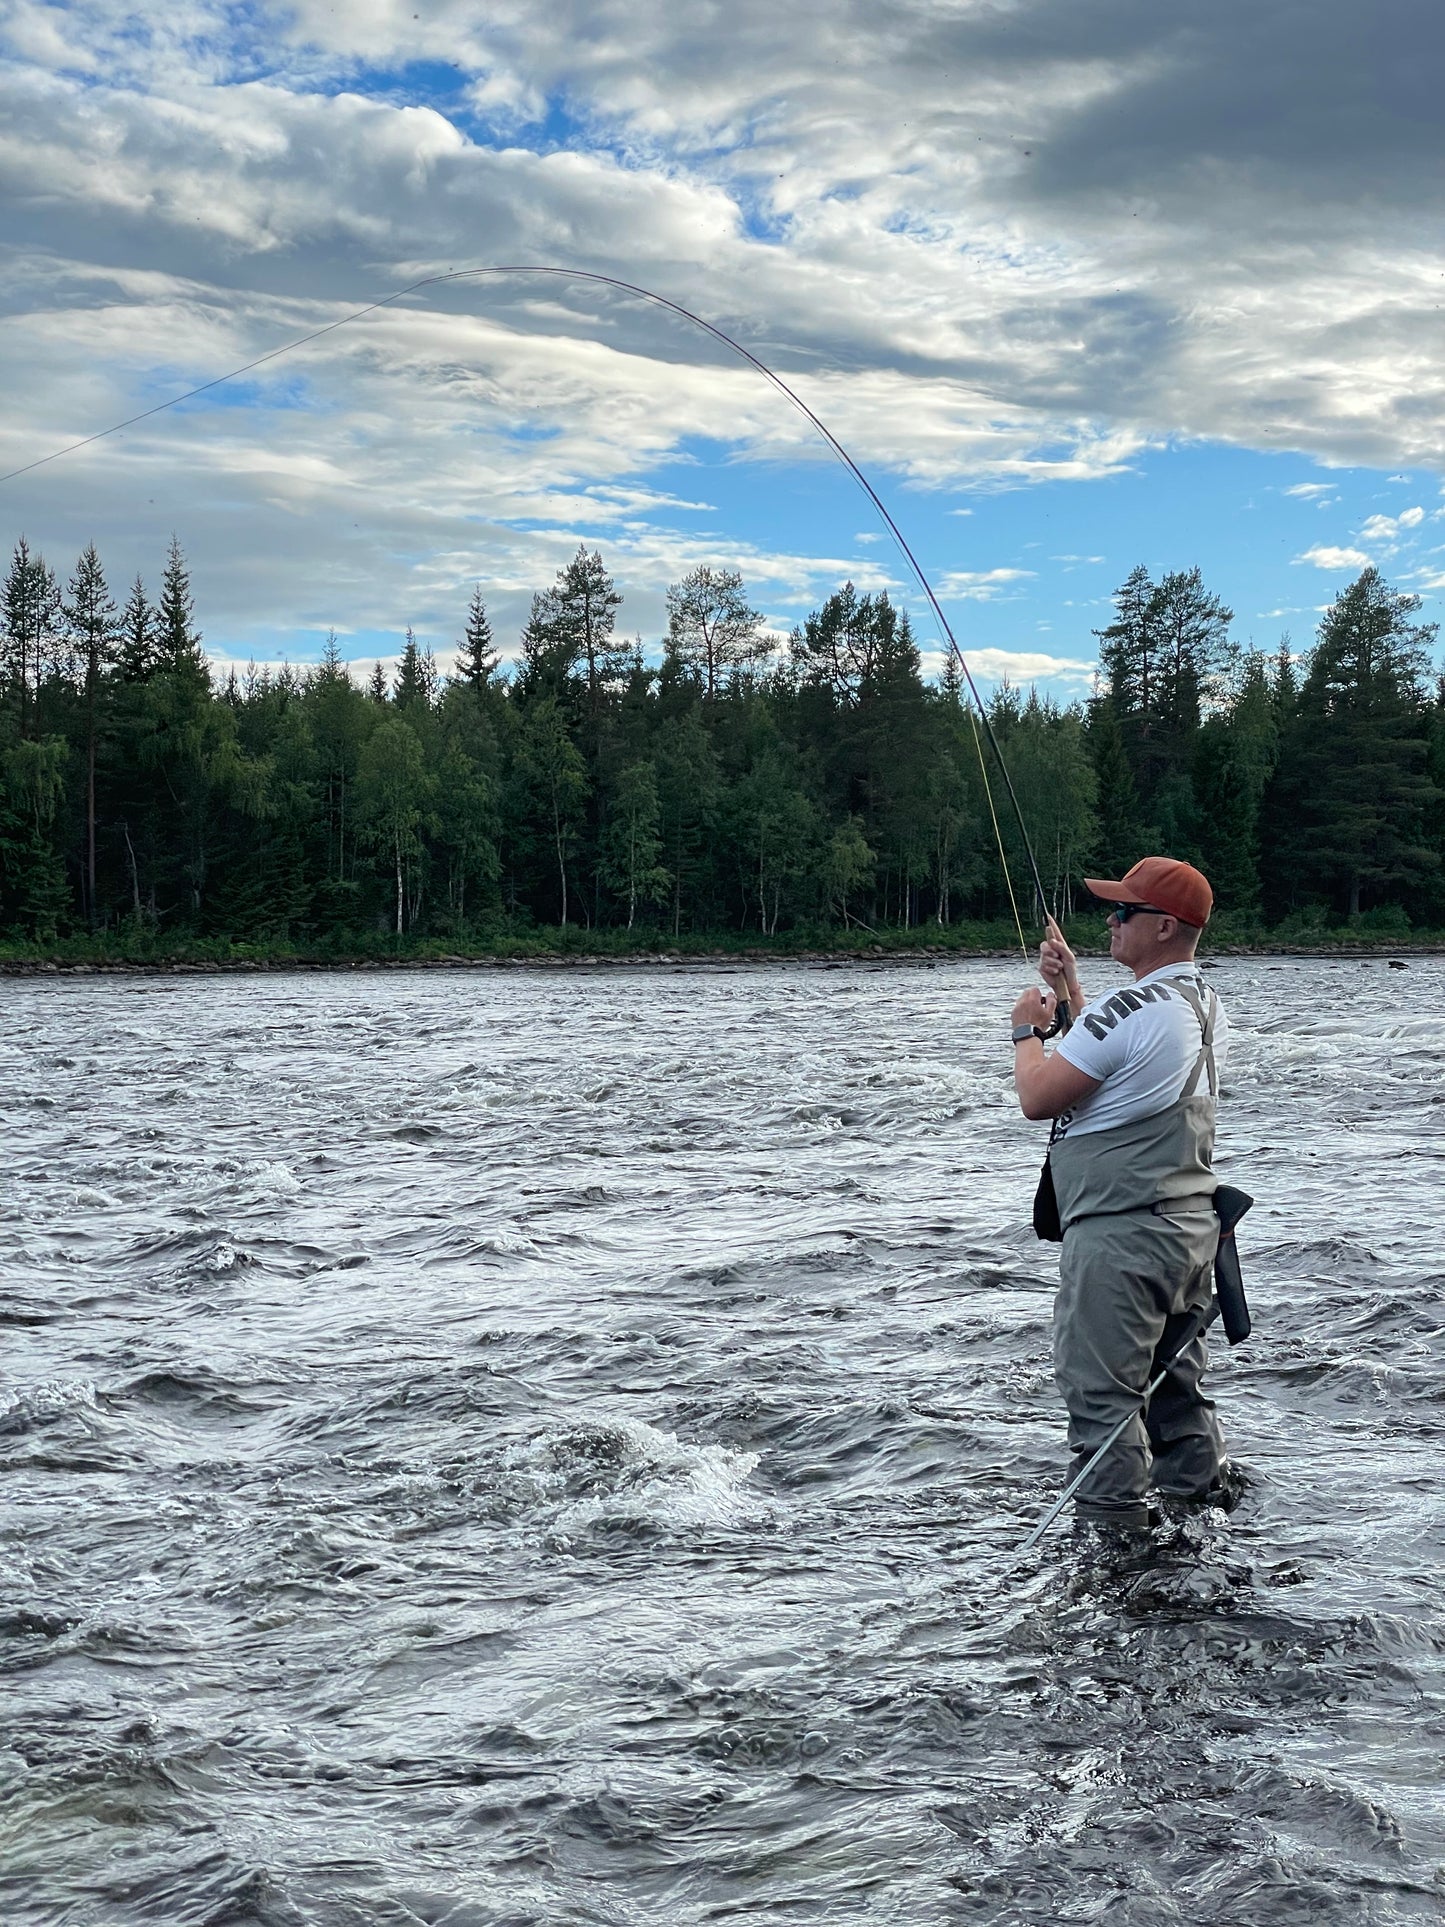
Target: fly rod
(728, 341)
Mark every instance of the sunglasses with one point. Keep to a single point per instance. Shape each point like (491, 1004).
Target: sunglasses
(1123, 911)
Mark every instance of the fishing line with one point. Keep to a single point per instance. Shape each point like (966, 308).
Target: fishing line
(998, 838)
(718, 334)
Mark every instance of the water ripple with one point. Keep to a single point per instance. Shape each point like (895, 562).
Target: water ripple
(549, 1448)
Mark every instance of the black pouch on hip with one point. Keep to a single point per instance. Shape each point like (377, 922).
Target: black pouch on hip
(1046, 1208)
(1230, 1206)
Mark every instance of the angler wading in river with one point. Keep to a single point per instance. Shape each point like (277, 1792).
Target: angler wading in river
(1129, 1187)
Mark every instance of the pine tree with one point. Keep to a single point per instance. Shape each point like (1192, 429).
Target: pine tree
(1162, 656)
(570, 628)
(1130, 647)
(855, 647)
(710, 626)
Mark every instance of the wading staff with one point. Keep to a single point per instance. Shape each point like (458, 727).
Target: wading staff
(1230, 1206)
(1062, 1017)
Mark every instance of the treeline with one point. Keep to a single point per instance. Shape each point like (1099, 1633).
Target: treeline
(740, 786)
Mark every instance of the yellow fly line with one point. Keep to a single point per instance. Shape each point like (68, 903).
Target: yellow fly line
(998, 837)
(590, 276)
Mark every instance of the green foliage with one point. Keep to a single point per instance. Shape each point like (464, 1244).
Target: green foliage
(710, 628)
(631, 843)
(1359, 814)
(826, 798)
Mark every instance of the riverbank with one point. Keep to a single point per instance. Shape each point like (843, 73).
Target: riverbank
(551, 949)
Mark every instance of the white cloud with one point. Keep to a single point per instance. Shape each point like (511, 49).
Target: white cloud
(1325, 557)
(1018, 666)
(978, 585)
(1388, 528)
(1108, 234)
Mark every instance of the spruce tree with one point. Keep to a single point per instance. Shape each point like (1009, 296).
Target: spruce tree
(1228, 819)
(1119, 837)
(95, 633)
(411, 679)
(331, 669)
(178, 641)
(376, 688)
(1356, 760)
(139, 657)
(32, 615)
(477, 659)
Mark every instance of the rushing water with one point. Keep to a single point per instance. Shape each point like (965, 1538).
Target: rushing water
(498, 1447)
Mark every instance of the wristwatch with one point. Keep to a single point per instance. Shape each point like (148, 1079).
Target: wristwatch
(1021, 1031)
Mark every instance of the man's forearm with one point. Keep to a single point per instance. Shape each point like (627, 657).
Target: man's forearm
(1029, 1059)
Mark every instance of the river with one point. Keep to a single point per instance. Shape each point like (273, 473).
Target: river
(489, 1447)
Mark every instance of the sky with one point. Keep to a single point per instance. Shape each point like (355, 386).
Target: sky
(1080, 284)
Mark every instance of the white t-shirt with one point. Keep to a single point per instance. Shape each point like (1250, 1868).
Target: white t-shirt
(1141, 1043)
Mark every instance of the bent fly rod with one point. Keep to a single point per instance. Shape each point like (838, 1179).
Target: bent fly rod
(770, 374)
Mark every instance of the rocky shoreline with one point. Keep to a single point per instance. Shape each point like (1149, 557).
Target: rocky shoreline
(919, 955)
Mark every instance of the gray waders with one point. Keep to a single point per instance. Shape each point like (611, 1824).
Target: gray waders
(1140, 1236)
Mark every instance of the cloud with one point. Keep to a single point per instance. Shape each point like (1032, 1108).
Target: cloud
(1020, 667)
(1388, 528)
(978, 585)
(1325, 557)
(993, 246)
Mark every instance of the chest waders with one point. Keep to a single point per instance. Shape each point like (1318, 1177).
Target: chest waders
(1160, 1165)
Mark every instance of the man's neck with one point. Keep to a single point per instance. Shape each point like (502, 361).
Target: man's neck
(1162, 963)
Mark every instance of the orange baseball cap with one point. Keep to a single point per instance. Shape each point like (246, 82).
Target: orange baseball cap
(1164, 884)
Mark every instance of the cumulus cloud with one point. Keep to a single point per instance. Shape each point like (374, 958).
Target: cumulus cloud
(1325, 557)
(990, 245)
(1022, 667)
(1388, 528)
(978, 585)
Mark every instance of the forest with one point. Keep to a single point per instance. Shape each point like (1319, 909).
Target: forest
(815, 788)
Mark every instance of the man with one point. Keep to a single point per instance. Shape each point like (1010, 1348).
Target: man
(1132, 1090)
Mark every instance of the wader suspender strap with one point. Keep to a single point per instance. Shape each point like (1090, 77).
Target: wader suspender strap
(1205, 1059)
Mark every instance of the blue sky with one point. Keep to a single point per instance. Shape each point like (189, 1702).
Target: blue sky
(1081, 285)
